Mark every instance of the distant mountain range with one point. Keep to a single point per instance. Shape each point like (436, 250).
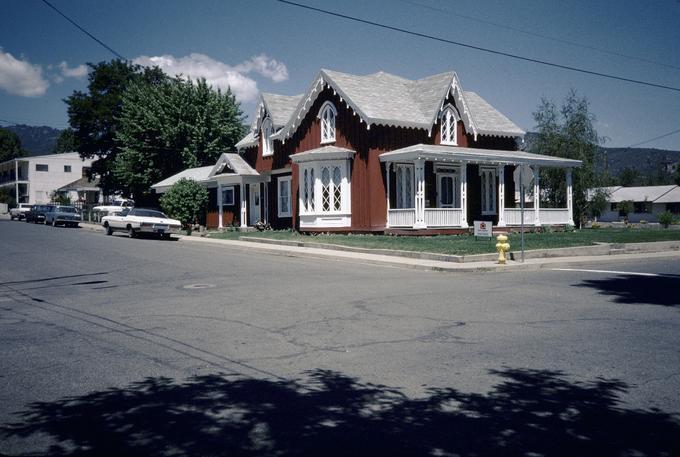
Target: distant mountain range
(36, 140)
(647, 161)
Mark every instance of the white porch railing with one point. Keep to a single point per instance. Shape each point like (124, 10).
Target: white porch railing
(513, 216)
(402, 217)
(552, 216)
(443, 217)
(547, 216)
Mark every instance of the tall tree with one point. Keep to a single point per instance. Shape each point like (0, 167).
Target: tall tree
(93, 115)
(569, 134)
(171, 125)
(67, 142)
(10, 145)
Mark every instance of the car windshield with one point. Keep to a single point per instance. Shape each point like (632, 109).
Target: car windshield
(66, 209)
(146, 213)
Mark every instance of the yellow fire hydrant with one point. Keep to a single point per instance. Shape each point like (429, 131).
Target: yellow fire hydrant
(502, 246)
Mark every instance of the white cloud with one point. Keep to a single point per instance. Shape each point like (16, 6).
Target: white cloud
(269, 68)
(20, 77)
(75, 72)
(219, 74)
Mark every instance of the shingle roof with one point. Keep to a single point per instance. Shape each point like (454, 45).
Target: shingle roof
(197, 174)
(280, 107)
(83, 183)
(489, 120)
(672, 196)
(385, 99)
(640, 194)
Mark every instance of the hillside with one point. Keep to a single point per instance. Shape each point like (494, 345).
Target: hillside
(37, 140)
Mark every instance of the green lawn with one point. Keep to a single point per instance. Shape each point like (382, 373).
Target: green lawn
(466, 244)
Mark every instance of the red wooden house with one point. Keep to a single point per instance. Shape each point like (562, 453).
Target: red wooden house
(380, 153)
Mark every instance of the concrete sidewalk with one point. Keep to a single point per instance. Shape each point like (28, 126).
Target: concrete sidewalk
(486, 262)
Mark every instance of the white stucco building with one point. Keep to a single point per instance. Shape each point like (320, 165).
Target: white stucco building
(34, 179)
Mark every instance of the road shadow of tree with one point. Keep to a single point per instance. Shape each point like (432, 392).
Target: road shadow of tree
(653, 290)
(529, 412)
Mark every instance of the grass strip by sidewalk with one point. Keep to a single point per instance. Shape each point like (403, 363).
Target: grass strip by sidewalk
(466, 244)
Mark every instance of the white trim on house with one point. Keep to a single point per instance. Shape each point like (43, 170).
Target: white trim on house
(267, 141)
(326, 201)
(449, 126)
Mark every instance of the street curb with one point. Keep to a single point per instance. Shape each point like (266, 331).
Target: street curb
(600, 249)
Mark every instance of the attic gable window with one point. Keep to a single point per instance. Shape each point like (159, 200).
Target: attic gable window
(449, 132)
(267, 142)
(327, 114)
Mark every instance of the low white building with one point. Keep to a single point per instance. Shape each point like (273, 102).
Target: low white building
(35, 179)
(648, 202)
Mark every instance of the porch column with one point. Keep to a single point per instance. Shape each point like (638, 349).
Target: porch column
(501, 195)
(537, 196)
(244, 211)
(420, 193)
(219, 206)
(570, 201)
(266, 201)
(463, 195)
(388, 165)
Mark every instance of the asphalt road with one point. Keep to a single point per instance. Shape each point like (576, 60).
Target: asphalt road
(116, 346)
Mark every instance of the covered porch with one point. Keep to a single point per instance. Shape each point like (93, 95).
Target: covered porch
(447, 187)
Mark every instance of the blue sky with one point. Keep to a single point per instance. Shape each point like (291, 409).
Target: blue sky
(265, 45)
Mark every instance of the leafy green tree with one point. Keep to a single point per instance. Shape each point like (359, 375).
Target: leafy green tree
(599, 202)
(185, 201)
(7, 196)
(171, 125)
(10, 145)
(93, 115)
(67, 142)
(629, 177)
(568, 133)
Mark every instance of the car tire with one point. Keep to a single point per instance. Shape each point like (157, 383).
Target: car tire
(131, 232)
(109, 230)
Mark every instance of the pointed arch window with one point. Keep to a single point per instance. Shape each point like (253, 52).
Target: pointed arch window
(449, 132)
(267, 142)
(328, 114)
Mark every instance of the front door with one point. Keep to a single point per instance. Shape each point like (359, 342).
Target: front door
(254, 210)
(447, 191)
(488, 190)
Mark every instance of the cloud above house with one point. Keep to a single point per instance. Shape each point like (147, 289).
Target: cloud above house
(20, 77)
(76, 72)
(219, 74)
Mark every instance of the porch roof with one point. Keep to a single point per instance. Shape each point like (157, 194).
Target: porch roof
(439, 153)
(323, 153)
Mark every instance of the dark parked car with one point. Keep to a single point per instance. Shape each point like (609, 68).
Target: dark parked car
(66, 215)
(37, 213)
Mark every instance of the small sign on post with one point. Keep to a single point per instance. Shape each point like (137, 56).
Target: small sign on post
(483, 229)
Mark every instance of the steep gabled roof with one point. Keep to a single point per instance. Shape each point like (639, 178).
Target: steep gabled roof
(384, 99)
(279, 108)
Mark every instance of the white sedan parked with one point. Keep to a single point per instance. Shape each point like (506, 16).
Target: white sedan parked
(140, 220)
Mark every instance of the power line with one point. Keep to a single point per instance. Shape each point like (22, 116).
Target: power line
(654, 139)
(479, 48)
(539, 35)
(83, 30)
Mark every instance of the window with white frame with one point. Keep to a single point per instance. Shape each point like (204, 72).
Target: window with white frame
(449, 122)
(284, 197)
(488, 190)
(308, 186)
(267, 142)
(324, 187)
(228, 198)
(328, 114)
(404, 181)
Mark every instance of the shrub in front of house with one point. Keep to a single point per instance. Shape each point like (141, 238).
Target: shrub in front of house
(665, 219)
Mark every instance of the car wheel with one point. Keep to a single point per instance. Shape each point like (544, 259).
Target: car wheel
(11, 218)
(131, 232)
(109, 230)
